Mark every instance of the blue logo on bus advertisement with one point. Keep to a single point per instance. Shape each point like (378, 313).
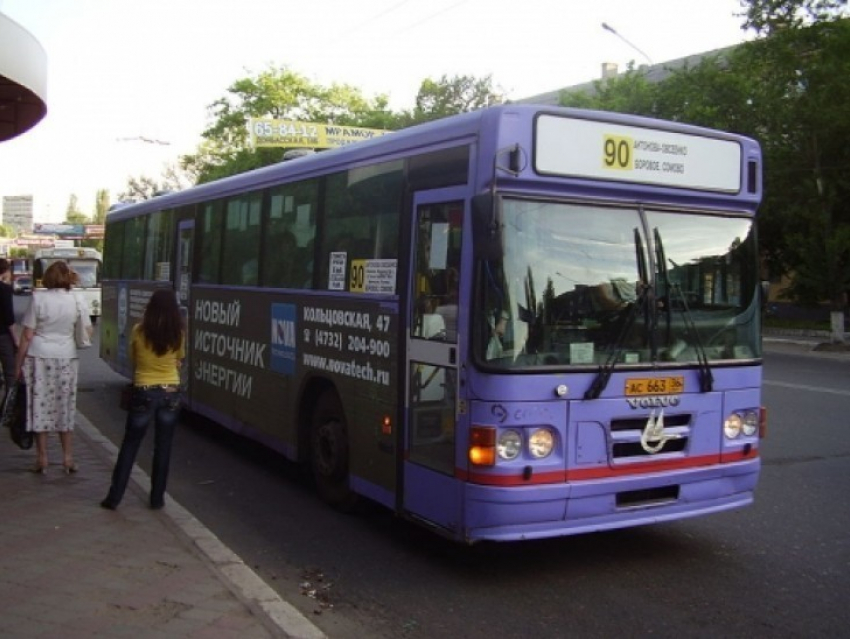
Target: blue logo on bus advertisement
(283, 338)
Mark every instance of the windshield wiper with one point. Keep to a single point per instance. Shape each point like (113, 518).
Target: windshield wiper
(661, 263)
(706, 379)
(604, 375)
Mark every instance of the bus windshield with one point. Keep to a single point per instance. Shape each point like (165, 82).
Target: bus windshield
(585, 285)
(87, 270)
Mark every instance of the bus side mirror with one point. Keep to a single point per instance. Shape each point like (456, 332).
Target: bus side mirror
(487, 227)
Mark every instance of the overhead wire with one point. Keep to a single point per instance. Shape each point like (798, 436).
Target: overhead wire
(353, 30)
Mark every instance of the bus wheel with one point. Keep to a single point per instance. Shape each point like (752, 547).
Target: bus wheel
(329, 453)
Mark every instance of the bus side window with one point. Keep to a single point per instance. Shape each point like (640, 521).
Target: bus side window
(242, 240)
(209, 237)
(438, 269)
(283, 267)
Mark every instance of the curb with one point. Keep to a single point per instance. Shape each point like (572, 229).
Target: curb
(802, 345)
(800, 336)
(280, 618)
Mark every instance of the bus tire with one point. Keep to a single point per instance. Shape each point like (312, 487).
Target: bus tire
(329, 453)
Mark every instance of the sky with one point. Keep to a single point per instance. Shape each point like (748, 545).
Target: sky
(122, 70)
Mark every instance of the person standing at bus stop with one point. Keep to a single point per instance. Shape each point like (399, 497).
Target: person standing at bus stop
(156, 350)
(47, 359)
(8, 341)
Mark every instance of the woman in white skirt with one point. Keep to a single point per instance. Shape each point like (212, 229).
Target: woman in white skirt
(47, 359)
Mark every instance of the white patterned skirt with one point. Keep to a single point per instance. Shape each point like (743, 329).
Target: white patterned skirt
(51, 394)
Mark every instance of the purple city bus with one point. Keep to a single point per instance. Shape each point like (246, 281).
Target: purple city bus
(516, 323)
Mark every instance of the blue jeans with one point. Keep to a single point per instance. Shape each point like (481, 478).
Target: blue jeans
(163, 408)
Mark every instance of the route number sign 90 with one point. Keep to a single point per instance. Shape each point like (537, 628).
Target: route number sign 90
(617, 152)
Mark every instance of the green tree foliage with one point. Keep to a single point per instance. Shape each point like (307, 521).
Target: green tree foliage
(139, 189)
(711, 94)
(101, 206)
(449, 96)
(77, 217)
(73, 215)
(802, 97)
(770, 16)
(630, 92)
(280, 94)
(144, 187)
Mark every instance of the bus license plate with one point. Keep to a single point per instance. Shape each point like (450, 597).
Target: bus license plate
(654, 385)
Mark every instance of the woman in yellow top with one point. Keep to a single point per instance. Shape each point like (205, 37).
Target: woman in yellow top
(156, 351)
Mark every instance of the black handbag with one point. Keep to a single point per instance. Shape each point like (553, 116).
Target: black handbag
(14, 416)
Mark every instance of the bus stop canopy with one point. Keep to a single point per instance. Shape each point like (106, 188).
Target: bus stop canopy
(23, 80)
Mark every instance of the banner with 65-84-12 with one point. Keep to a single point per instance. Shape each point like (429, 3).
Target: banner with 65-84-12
(266, 132)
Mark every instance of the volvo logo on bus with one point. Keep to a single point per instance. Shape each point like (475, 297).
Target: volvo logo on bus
(653, 437)
(662, 401)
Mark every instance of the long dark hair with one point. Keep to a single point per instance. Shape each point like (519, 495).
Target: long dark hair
(162, 324)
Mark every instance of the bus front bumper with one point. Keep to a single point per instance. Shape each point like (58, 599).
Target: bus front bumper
(554, 510)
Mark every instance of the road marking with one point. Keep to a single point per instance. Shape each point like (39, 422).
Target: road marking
(814, 389)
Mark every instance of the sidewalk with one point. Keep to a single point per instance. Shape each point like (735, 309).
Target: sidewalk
(69, 568)
(801, 343)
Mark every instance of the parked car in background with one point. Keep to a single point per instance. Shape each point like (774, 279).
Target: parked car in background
(22, 286)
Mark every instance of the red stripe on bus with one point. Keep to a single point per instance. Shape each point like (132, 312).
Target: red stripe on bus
(603, 472)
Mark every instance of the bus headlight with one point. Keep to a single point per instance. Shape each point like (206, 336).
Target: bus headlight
(732, 426)
(540, 443)
(745, 422)
(509, 445)
(750, 424)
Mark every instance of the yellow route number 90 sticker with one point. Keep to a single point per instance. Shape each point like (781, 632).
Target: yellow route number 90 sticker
(617, 152)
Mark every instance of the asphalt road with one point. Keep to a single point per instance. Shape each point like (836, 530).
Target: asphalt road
(778, 568)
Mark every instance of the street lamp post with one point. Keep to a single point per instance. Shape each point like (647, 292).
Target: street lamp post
(608, 27)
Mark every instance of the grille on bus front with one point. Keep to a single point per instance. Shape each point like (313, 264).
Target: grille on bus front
(626, 434)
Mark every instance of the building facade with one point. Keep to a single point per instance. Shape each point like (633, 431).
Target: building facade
(17, 213)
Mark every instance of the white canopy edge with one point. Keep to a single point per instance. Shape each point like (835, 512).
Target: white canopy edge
(23, 64)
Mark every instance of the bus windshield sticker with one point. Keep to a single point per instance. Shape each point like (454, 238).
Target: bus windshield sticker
(439, 246)
(336, 273)
(373, 276)
(581, 353)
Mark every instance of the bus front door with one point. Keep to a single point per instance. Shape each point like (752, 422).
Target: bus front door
(430, 489)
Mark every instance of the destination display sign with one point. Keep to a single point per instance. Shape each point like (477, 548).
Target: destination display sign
(603, 150)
